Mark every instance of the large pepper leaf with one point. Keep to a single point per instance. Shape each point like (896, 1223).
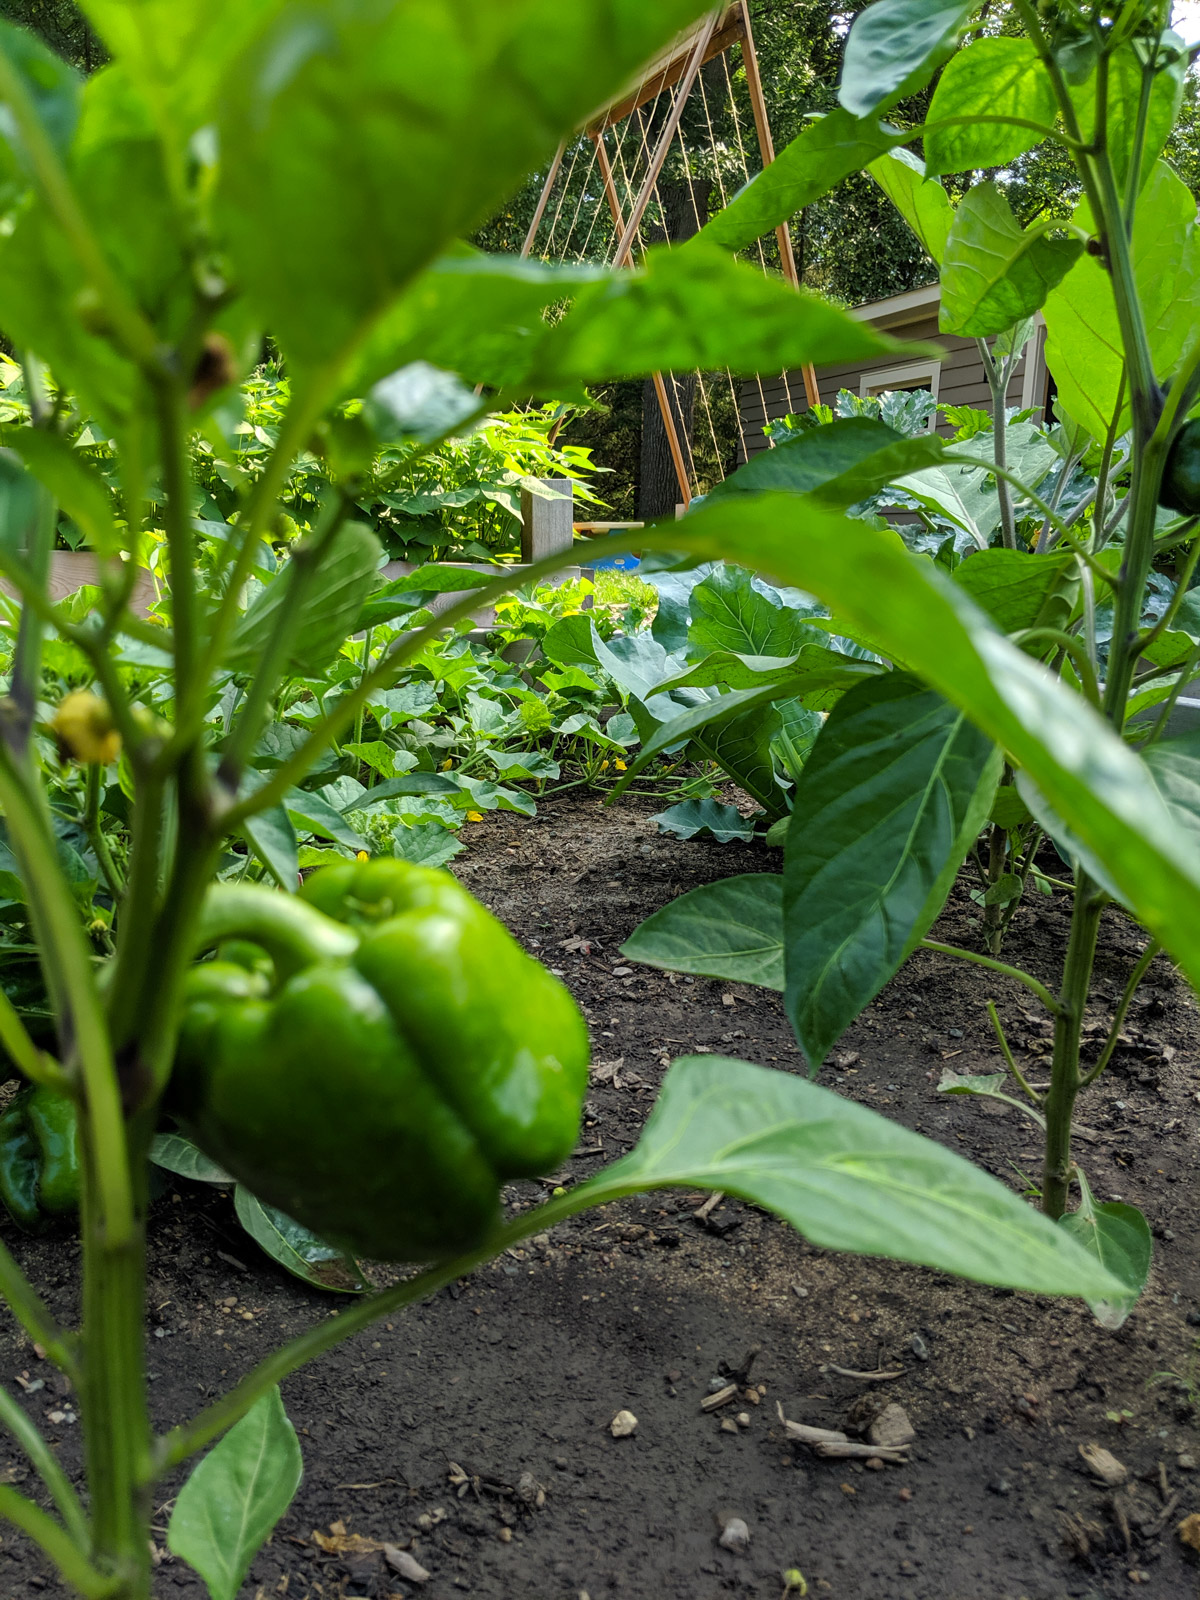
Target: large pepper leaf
(326, 616)
(845, 1177)
(895, 46)
(451, 103)
(729, 929)
(924, 621)
(235, 1495)
(896, 789)
(920, 200)
(829, 149)
(994, 77)
(995, 273)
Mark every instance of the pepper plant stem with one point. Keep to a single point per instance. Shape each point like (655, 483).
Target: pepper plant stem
(1065, 1080)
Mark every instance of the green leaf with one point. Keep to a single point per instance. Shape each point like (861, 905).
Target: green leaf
(174, 1153)
(418, 402)
(51, 85)
(235, 1495)
(1119, 1238)
(923, 620)
(921, 201)
(519, 765)
(812, 459)
(412, 783)
(1123, 97)
(426, 844)
(295, 1248)
(327, 615)
(75, 485)
(994, 273)
(272, 838)
(693, 307)
(705, 819)
(895, 46)
(451, 102)
(1015, 588)
(21, 503)
(1174, 765)
(896, 789)
(729, 929)
(704, 719)
(1083, 337)
(731, 612)
(1009, 811)
(176, 51)
(995, 77)
(829, 149)
(316, 815)
(845, 1177)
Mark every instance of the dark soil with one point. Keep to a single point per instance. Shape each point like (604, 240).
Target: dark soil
(513, 1377)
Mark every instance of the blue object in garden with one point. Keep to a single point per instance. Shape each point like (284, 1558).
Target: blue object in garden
(616, 564)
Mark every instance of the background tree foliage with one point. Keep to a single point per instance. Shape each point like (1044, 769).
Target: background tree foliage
(850, 245)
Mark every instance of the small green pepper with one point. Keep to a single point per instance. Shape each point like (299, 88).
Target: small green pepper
(39, 1157)
(411, 1058)
(1181, 480)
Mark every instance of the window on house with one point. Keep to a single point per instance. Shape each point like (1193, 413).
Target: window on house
(916, 375)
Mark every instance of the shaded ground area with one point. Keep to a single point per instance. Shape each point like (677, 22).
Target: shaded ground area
(509, 1381)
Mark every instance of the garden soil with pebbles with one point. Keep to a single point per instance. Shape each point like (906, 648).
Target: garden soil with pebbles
(508, 1382)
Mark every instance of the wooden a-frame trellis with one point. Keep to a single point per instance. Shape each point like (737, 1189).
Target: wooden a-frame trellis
(675, 71)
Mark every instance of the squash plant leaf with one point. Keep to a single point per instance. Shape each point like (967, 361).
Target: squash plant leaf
(896, 788)
(844, 1177)
(235, 1495)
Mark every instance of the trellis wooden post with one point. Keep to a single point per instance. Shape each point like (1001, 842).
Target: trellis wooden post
(766, 148)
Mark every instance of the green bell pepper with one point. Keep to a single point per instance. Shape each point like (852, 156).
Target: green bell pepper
(410, 1059)
(1181, 478)
(39, 1157)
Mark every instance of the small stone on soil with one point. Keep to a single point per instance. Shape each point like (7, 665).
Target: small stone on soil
(891, 1428)
(735, 1536)
(623, 1425)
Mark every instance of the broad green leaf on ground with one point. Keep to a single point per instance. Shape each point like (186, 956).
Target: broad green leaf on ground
(426, 843)
(895, 46)
(844, 1177)
(1083, 337)
(894, 793)
(928, 624)
(995, 273)
(702, 721)
(1174, 766)
(814, 668)
(296, 1248)
(451, 102)
(731, 612)
(741, 746)
(1020, 590)
(1123, 97)
(921, 201)
(710, 819)
(829, 149)
(235, 1495)
(174, 1153)
(1119, 1238)
(995, 77)
(328, 613)
(729, 929)
(412, 783)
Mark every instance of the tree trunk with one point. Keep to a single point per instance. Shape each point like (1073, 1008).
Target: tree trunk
(659, 491)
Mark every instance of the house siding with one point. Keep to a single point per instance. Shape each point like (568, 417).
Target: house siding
(961, 379)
